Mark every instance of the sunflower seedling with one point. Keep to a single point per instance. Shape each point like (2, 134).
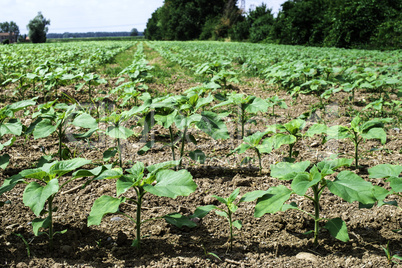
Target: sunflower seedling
(359, 131)
(44, 190)
(347, 185)
(230, 208)
(159, 180)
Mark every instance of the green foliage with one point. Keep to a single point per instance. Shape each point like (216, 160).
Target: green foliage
(391, 173)
(178, 20)
(248, 106)
(44, 190)
(9, 124)
(359, 131)
(55, 117)
(230, 208)
(38, 28)
(253, 142)
(346, 185)
(261, 21)
(157, 179)
(392, 259)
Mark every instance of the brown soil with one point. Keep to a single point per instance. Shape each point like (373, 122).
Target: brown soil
(271, 241)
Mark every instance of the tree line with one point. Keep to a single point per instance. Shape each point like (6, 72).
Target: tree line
(134, 32)
(337, 23)
(38, 28)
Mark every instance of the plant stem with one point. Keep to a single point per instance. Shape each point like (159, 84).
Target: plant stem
(291, 150)
(60, 138)
(50, 206)
(182, 145)
(259, 159)
(242, 119)
(138, 221)
(316, 214)
(172, 142)
(230, 228)
(119, 150)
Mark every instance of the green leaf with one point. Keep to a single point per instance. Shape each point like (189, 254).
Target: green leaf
(164, 165)
(316, 129)
(221, 199)
(337, 228)
(251, 196)
(237, 224)
(242, 148)
(266, 146)
(295, 126)
(102, 206)
(258, 105)
(233, 195)
(36, 195)
(396, 184)
(119, 132)
(272, 201)
(281, 139)
(137, 169)
(40, 223)
(338, 132)
(13, 126)
(9, 183)
(254, 139)
(397, 257)
(287, 171)
(10, 142)
(328, 167)
(201, 212)
(375, 133)
(172, 184)
(109, 174)
(36, 173)
(221, 213)
(351, 187)
(302, 182)
(355, 122)
(63, 167)
(380, 193)
(85, 121)
(44, 128)
(212, 124)
(4, 161)
(292, 205)
(179, 220)
(198, 156)
(88, 173)
(21, 105)
(384, 171)
(109, 154)
(148, 146)
(133, 179)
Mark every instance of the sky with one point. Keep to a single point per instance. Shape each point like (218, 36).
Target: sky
(91, 15)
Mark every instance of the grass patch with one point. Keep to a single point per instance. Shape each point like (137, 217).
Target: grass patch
(119, 62)
(167, 72)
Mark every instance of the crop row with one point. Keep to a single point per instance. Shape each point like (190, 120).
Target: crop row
(208, 108)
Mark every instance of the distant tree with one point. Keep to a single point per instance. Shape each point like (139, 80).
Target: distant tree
(261, 20)
(22, 38)
(4, 27)
(38, 28)
(14, 28)
(134, 32)
(154, 29)
(9, 27)
(192, 19)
